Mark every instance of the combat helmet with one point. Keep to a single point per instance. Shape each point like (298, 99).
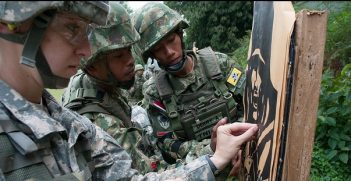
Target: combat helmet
(153, 22)
(118, 33)
(138, 67)
(13, 13)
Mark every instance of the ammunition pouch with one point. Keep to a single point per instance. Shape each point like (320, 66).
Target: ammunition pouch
(193, 117)
(197, 122)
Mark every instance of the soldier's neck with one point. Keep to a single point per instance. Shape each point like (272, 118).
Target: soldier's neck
(188, 68)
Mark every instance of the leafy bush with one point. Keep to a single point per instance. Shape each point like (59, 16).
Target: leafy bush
(334, 115)
(323, 169)
(334, 120)
(338, 42)
(240, 54)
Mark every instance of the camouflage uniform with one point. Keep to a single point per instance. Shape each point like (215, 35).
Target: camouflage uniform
(136, 94)
(191, 148)
(63, 143)
(169, 99)
(46, 141)
(108, 108)
(111, 112)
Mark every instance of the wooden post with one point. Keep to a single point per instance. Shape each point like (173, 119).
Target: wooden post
(310, 31)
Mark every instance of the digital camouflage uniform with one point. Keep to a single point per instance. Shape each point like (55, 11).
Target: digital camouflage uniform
(45, 141)
(38, 144)
(183, 110)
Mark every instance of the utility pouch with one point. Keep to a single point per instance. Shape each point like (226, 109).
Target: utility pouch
(198, 122)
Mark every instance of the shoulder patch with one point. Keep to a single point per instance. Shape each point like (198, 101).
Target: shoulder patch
(234, 76)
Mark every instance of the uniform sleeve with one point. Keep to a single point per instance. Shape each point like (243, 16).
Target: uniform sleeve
(128, 138)
(198, 169)
(190, 150)
(150, 92)
(112, 162)
(225, 62)
(109, 123)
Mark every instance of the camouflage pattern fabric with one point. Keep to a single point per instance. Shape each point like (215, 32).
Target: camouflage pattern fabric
(118, 33)
(128, 137)
(192, 149)
(90, 10)
(153, 21)
(110, 161)
(136, 92)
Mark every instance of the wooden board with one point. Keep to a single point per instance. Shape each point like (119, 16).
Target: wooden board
(310, 40)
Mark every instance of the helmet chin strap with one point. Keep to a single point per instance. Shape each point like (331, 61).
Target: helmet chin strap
(17, 38)
(175, 68)
(32, 55)
(50, 80)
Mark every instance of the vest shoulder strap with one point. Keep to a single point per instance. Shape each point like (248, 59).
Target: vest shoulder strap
(20, 141)
(22, 159)
(210, 63)
(19, 150)
(163, 87)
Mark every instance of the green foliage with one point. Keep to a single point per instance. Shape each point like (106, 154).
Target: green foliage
(332, 152)
(334, 116)
(324, 169)
(240, 54)
(219, 24)
(338, 45)
(338, 42)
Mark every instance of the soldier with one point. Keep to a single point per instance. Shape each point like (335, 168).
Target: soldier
(193, 90)
(41, 46)
(98, 90)
(136, 91)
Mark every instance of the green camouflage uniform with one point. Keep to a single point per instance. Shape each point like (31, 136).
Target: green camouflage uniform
(182, 86)
(209, 79)
(108, 107)
(49, 142)
(136, 93)
(52, 141)
(111, 112)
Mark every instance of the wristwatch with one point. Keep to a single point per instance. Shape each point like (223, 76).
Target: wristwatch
(213, 167)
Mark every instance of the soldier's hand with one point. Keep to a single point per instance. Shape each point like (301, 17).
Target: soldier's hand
(230, 137)
(214, 133)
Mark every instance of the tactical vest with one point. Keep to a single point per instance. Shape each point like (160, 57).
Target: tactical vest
(22, 157)
(192, 114)
(89, 100)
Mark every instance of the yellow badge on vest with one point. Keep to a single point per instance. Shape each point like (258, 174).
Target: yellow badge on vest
(234, 76)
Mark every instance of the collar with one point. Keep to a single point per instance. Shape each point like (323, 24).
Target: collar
(40, 123)
(192, 81)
